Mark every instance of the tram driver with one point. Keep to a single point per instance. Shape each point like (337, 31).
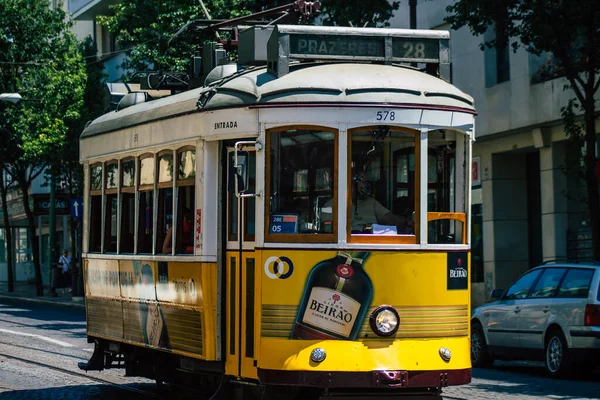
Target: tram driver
(367, 211)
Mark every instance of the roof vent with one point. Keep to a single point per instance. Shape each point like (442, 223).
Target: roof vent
(133, 98)
(220, 72)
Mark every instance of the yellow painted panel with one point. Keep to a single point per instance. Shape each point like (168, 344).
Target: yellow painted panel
(209, 281)
(412, 355)
(429, 290)
(180, 283)
(232, 266)
(168, 306)
(250, 316)
(102, 278)
(417, 284)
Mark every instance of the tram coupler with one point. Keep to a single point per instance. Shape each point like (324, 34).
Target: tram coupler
(96, 362)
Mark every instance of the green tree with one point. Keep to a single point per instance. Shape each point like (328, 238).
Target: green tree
(143, 28)
(374, 13)
(39, 58)
(570, 30)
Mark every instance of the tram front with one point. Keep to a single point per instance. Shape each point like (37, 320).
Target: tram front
(351, 266)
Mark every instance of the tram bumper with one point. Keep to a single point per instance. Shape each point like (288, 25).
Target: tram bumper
(377, 365)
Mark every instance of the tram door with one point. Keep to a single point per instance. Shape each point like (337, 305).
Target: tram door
(241, 273)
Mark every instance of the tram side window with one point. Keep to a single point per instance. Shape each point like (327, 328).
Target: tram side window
(382, 182)
(95, 240)
(301, 184)
(127, 206)
(110, 221)
(186, 166)
(165, 204)
(146, 205)
(446, 182)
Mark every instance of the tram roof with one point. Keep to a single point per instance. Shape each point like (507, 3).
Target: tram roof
(338, 84)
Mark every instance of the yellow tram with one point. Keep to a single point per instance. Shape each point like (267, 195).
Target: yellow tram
(298, 222)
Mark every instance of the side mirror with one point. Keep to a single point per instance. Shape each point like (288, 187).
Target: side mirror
(242, 171)
(496, 294)
(239, 172)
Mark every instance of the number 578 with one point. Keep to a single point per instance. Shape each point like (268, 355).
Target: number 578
(386, 116)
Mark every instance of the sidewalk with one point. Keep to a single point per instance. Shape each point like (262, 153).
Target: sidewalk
(26, 292)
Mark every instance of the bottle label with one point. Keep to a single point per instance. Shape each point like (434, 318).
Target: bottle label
(331, 311)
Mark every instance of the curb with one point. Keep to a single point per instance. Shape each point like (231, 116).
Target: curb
(73, 303)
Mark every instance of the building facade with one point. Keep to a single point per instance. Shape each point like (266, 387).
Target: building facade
(527, 198)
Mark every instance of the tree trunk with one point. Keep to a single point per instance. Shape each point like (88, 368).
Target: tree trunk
(39, 285)
(590, 175)
(7, 233)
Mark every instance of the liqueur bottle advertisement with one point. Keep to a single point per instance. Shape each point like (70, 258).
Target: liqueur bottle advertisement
(336, 297)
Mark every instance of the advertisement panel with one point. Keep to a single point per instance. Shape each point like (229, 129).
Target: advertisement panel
(320, 295)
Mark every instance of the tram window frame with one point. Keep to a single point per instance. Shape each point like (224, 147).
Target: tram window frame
(448, 215)
(95, 213)
(232, 205)
(325, 237)
(249, 203)
(183, 183)
(144, 187)
(401, 238)
(111, 210)
(127, 205)
(165, 192)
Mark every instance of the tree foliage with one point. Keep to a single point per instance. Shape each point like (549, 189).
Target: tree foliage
(143, 28)
(570, 31)
(374, 13)
(39, 58)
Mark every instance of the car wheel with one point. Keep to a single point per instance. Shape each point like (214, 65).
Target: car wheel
(480, 356)
(558, 360)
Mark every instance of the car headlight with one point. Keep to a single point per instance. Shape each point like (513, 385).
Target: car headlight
(384, 321)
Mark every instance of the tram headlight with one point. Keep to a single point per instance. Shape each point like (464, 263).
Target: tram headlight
(384, 321)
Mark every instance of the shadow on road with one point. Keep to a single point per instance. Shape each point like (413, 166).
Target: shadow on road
(81, 392)
(526, 379)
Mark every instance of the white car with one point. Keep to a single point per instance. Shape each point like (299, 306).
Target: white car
(551, 313)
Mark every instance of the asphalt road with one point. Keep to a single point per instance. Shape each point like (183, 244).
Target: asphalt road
(53, 338)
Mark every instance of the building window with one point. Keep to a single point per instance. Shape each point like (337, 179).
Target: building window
(22, 245)
(497, 57)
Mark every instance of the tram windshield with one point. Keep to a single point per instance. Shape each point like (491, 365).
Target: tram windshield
(302, 165)
(385, 185)
(382, 184)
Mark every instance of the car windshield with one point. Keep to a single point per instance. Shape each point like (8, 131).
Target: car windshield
(520, 289)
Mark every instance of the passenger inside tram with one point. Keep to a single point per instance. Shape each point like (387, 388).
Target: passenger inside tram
(368, 214)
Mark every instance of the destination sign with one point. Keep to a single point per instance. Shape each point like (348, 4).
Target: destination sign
(327, 45)
(421, 49)
(323, 46)
(382, 45)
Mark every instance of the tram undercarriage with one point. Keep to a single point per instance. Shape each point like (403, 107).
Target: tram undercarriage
(192, 378)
